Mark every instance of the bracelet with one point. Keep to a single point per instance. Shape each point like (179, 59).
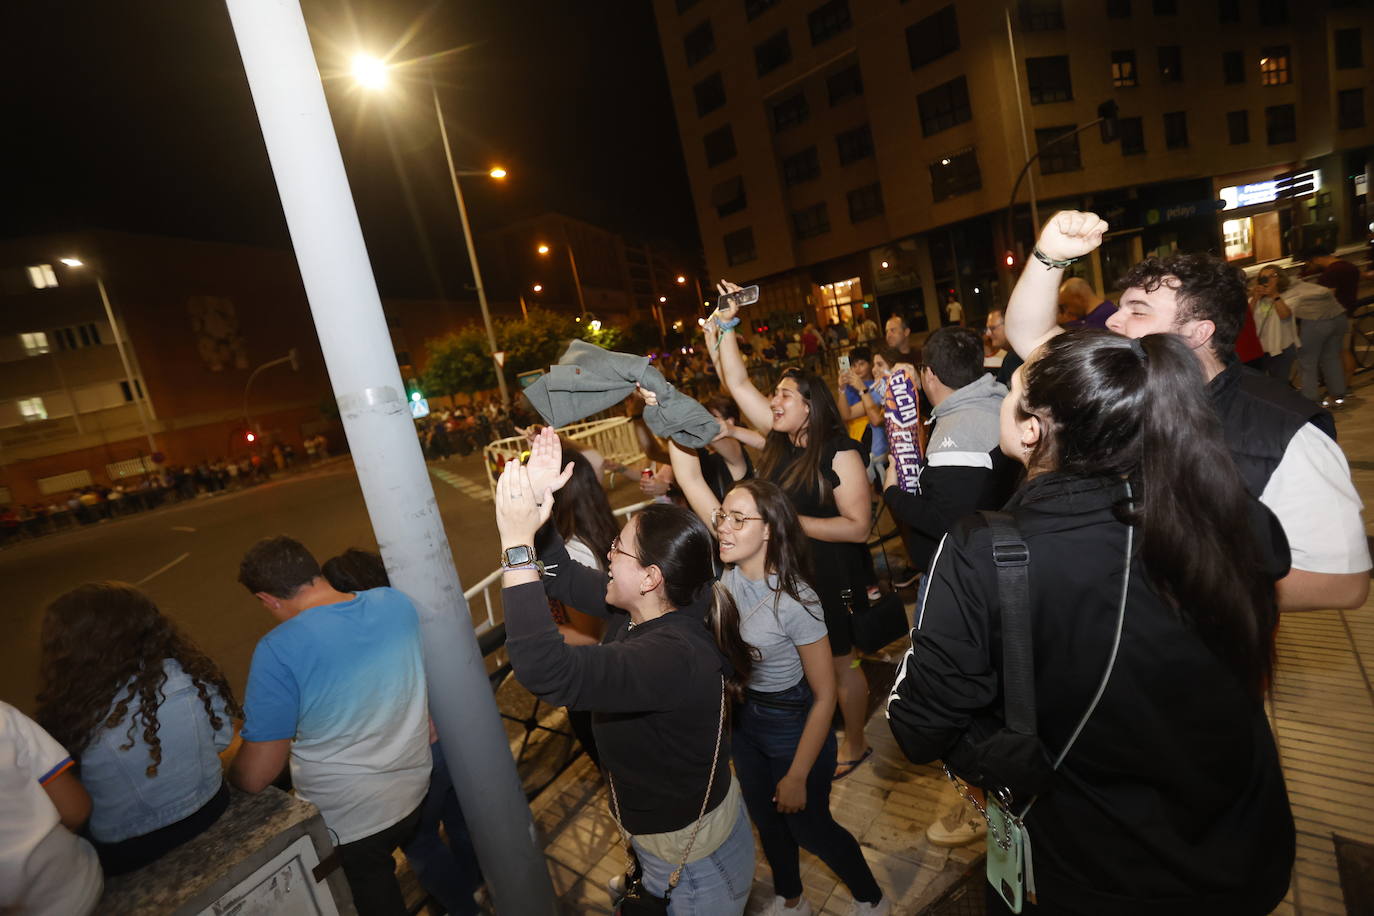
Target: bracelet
(1049, 261)
(727, 325)
(724, 329)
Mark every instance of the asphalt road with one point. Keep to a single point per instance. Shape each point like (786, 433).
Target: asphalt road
(186, 558)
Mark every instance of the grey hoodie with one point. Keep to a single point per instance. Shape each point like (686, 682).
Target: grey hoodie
(967, 425)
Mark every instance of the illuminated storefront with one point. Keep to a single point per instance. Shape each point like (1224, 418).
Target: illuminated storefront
(1254, 218)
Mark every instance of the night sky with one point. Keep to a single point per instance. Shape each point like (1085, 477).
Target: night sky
(136, 116)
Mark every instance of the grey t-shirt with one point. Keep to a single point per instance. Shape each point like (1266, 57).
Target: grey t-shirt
(775, 635)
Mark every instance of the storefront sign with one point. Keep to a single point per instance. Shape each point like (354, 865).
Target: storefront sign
(1263, 192)
(1175, 212)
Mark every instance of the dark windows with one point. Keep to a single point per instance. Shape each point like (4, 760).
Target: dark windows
(1228, 10)
(1280, 124)
(1123, 69)
(845, 84)
(944, 106)
(1350, 109)
(865, 203)
(1274, 66)
(1132, 136)
(1048, 79)
(772, 52)
(1170, 64)
(1041, 15)
(855, 144)
(1238, 126)
(955, 174)
(699, 43)
(1176, 130)
(1349, 51)
(828, 20)
(811, 222)
(739, 246)
(933, 37)
(1118, 9)
(1166, 7)
(801, 167)
(790, 112)
(710, 94)
(1058, 155)
(1273, 12)
(728, 197)
(753, 9)
(1233, 67)
(720, 145)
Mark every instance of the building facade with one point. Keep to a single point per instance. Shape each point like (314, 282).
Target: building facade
(858, 154)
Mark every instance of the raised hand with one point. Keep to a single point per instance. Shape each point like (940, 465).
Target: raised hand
(546, 458)
(724, 287)
(1071, 234)
(520, 509)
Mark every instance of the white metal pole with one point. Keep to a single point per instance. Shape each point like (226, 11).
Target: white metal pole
(472, 250)
(304, 152)
(135, 386)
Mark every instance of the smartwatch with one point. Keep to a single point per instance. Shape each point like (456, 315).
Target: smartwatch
(521, 557)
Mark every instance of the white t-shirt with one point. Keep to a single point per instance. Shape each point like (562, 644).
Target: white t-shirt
(775, 635)
(1314, 498)
(44, 868)
(956, 312)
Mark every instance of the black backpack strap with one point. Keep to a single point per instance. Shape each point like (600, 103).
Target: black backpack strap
(1012, 558)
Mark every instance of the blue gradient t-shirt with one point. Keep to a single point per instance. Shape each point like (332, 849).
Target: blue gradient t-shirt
(346, 682)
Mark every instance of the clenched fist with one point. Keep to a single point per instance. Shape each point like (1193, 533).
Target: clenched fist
(1071, 234)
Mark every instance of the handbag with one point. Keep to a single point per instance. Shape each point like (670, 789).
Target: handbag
(879, 623)
(637, 901)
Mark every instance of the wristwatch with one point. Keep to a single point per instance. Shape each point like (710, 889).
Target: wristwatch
(521, 557)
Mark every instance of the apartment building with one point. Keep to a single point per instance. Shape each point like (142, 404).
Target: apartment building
(853, 155)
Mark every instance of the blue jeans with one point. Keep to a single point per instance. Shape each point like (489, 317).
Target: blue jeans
(450, 872)
(767, 729)
(1321, 349)
(715, 885)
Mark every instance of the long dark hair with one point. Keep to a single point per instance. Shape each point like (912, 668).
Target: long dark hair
(681, 546)
(582, 510)
(1138, 409)
(805, 475)
(787, 551)
(104, 643)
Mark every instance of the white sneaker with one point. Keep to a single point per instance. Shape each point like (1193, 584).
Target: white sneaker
(617, 887)
(881, 908)
(959, 826)
(780, 908)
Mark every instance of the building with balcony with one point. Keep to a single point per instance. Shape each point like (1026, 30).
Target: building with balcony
(861, 154)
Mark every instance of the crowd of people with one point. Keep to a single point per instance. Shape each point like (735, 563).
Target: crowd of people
(1109, 516)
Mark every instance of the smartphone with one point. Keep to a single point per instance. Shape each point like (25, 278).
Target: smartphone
(747, 296)
(844, 362)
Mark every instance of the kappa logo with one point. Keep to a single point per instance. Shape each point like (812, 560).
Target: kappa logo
(947, 442)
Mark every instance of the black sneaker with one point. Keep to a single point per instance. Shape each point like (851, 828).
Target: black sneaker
(904, 577)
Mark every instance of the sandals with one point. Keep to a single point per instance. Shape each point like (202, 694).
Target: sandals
(849, 766)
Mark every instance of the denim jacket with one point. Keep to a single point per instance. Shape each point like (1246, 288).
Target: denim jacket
(126, 801)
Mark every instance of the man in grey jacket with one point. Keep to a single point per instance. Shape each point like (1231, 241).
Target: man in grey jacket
(1322, 323)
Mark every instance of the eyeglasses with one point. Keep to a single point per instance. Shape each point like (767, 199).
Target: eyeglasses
(737, 519)
(615, 548)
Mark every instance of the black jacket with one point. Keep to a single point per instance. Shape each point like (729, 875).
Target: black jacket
(948, 493)
(1259, 416)
(1172, 799)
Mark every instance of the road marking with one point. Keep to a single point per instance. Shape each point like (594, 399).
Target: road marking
(182, 528)
(157, 572)
(463, 485)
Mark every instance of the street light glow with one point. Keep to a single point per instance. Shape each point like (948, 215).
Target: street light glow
(72, 262)
(681, 278)
(594, 324)
(543, 249)
(369, 71)
(538, 287)
(662, 298)
(884, 265)
(497, 172)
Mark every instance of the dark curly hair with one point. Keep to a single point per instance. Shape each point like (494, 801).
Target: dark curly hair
(103, 644)
(1207, 289)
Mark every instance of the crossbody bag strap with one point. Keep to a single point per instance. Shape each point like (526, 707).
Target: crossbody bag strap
(1012, 559)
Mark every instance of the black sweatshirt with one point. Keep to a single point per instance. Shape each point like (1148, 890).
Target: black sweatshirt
(653, 691)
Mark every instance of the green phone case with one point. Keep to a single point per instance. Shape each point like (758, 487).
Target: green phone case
(1005, 856)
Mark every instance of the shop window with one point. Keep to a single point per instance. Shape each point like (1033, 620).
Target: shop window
(1274, 66)
(1238, 238)
(1228, 10)
(728, 197)
(1123, 69)
(1238, 127)
(710, 94)
(1170, 64)
(35, 343)
(1058, 155)
(1350, 109)
(790, 112)
(1280, 124)
(1233, 67)
(720, 145)
(1132, 136)
(845, 84)
(753, 9)
(933, 37)
(1118, 9)
(41, 276)
(828, 20)
(955, 174)
(1048, 79)
(1041, 15)
(865, 203)
(1349, 49)
(739, 246)
(1176, 130)
(811, 222)
(944, 106)
(32, 410)
(855, 144)
(772, 53)
(699, 43)
(802, 167)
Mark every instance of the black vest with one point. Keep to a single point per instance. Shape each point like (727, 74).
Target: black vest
(1259, 416)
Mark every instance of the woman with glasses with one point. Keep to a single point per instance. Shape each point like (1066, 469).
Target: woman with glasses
(783, 747)
(823, 472)
(658, 687)
(1274, 323)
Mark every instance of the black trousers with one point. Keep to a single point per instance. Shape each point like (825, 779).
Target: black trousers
(136, 852)
(371, 871)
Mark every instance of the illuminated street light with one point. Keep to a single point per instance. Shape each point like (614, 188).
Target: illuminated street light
(594, 324)
(369, 71)
(497, 172)
(71, 262)
(662, 298)
(538, 287)
(884, 265)
(681, 279)
(543, 249)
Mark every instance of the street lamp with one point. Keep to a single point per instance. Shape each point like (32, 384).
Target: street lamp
(372, 74)
(134, 386)
(543, 249)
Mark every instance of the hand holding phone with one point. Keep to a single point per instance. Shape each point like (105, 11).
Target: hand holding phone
(733, 297)
(844, 362)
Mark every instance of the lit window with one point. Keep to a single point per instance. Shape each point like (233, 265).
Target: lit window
(35, 343)
(32, 409)
(1238, 237)
(1274, 66)
(41, 276)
